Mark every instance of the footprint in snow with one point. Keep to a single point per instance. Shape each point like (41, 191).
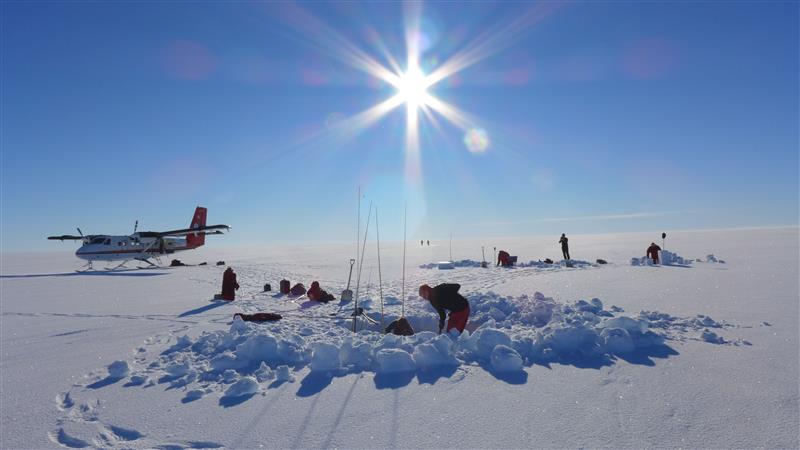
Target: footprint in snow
(61, 437)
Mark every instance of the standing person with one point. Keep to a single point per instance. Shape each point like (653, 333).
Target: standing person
(446, 297)
(229, 284)
(564, 245)
(652, 252)
(421, 243)
(429, 243)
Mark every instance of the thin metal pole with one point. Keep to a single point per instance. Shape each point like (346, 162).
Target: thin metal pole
(380, 279)
(361, 266)
(358, 222)
(403, 290)
(451, 247)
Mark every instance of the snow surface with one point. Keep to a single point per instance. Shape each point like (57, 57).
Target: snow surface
(682, 355)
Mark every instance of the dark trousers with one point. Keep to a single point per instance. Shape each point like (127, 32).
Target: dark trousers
(565, 251)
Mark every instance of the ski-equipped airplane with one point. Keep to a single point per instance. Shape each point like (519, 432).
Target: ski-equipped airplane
(143, 245)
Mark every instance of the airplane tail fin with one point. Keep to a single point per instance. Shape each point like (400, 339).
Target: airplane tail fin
(198, 220)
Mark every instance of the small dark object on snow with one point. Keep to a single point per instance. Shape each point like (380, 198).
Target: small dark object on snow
(548, 261)
(217, 296)
(400, 327)
(297, 289)
(259, 317)
(203, 264)
(285, 286)
(176, 263)
(220, 263)
(267, 287)
(484, 264)
(602, 261)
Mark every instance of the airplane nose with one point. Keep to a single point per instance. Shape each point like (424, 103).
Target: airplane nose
(80, 253)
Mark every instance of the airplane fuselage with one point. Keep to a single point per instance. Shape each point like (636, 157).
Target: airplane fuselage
(124, 248)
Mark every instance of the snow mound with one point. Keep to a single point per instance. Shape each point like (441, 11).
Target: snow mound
(509, 333)
(455, 264)
(667, 258)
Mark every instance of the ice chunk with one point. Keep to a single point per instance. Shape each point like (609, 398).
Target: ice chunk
(245, 386)
(229, 376)
(489, 338)
(264, 373)
(177, 369)
(626, 323)
(239, 325)
(324, 357)
(435, 353)
(257, 348)
(394, 360)
(118, 369)
(227, 360)
(505, 359)
(710, 336)
(617, 340)
(282, 373)
(194, 394)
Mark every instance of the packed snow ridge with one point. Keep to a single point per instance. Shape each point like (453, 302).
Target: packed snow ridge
(535, 264)
(508, 334)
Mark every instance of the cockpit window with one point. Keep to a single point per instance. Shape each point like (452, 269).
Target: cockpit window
(97, 240)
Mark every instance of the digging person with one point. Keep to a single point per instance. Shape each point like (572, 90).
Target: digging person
(445, 297)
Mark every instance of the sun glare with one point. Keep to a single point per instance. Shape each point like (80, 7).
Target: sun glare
(412, 87)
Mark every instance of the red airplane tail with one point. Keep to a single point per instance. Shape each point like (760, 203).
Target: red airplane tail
(198, 220)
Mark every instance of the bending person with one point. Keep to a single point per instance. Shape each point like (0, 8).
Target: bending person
(445, 297)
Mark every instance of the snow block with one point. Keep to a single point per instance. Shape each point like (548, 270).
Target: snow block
(118, 369)
(245, 386)
(258, 348)
(489, 338)
(324, 357)
(617, 341)
(391, 360)
(505, 359)
(435, 353)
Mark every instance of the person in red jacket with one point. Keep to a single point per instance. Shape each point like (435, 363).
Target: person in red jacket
(652, 252)
(229, 285)
(503, 259)
(445, 297)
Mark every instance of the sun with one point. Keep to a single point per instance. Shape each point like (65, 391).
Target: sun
(412, 88)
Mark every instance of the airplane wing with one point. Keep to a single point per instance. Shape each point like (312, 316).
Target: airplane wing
(206, 230)
(67, 237)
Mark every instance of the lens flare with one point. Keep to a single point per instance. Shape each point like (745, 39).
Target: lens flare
(476, 140)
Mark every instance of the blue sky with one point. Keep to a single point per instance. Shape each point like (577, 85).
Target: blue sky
(600, 117)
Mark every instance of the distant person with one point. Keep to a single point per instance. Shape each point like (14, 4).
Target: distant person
(503, 259)
(229, 285)
(564, 245)
(652, 252)
(445, 297)
(429, 243)
(421, 242)
(317, 294)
